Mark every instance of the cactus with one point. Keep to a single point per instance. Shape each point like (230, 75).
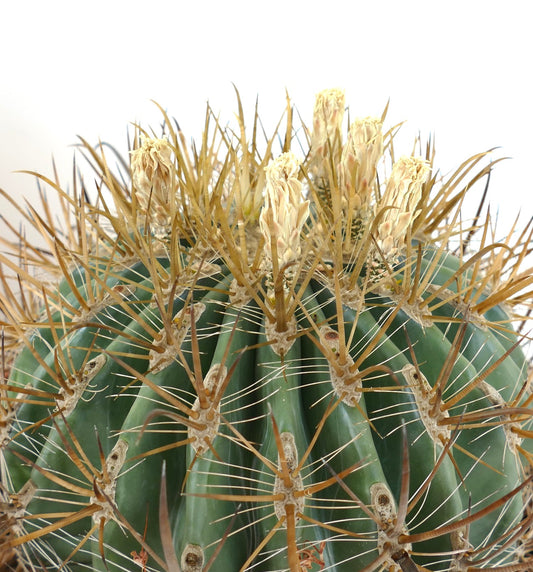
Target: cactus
(231, 359)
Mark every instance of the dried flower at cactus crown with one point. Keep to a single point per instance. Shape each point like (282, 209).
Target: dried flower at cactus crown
(360, 155)
(284, 212)
(397, 207)
(153, 179)
(327, 121)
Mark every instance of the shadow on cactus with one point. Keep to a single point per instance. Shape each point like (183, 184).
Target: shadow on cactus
(227, 358)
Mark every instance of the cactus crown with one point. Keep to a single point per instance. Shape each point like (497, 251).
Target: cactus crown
(282, 334)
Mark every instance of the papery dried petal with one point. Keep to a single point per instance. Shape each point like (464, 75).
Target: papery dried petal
(285, 211)
(153, 178)
(398, 206)
(327, 119)
(359, 159)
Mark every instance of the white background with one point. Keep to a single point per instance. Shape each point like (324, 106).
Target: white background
(456, 70)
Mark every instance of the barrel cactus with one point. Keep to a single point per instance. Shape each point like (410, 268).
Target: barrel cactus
(281, 354)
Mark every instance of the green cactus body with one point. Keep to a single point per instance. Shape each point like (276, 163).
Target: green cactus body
(220, 385)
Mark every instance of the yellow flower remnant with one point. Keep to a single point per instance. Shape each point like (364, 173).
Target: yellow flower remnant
(326, 138)
(360, 155)
(398, 207)
(357, 175)
(284, 212)
(281, 220)
(154, 184)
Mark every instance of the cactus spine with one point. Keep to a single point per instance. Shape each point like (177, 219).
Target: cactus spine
(238, 359)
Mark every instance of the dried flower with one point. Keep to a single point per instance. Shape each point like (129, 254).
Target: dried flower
(359, 159)
(397, 208)
(327, 119)
(154, 182)
(284, 212)
(326, 138)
